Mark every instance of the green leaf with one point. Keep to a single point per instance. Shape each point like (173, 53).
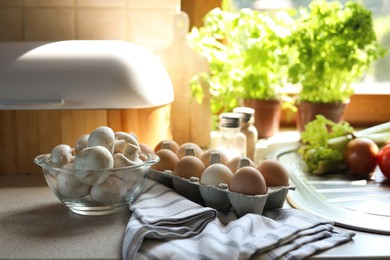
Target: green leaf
(336, 45)
(248, 55)
(316, 150)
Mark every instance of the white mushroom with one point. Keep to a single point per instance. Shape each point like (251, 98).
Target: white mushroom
(122, 161)
(119, 146)
(134, 135)
(132, 152)
(129, 138)
(81, 143)
(102, 136)
(110, 191)
(132, 178)
(70, 187)
(129, 177)
(91, 159)
(61, 155)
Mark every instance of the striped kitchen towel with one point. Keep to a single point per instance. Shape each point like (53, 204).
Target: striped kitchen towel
(165, 225)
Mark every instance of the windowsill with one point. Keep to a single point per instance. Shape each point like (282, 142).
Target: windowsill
(367, 88)
(372, 88)
(367, 107)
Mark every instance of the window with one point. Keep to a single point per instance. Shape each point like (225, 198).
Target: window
(379, 77)
(369, 104)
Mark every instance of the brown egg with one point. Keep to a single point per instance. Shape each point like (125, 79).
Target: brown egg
(234, 163)
(189, 166)
(181, 152)
(173, 145)
(206, 156)
(275, 174)
(168, 160)
(249, 181)
(216, 174)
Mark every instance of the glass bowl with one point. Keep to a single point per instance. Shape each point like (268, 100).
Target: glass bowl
(96, 192)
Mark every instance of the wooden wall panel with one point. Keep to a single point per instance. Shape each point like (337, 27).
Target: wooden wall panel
(75, 123)
(151, 125)
(27, 139)
(25, 134)
(49, 130)
(8, 157)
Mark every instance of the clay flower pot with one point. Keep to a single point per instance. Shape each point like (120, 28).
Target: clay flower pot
(307, 112)
(267, 116)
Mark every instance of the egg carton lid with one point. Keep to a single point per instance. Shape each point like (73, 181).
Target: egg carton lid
(220, 198)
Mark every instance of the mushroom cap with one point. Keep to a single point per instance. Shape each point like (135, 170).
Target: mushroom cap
(119, 146)
(61, 155)
(70, 187)
(110, 191)
(94, 158)
(102, 136)
(129, 138)
(81, 143)
(120, 160)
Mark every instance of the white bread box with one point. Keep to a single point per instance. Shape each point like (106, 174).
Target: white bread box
(53, 92)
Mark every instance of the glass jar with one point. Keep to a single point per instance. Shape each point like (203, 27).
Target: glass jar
(248, 129)
(229, 139)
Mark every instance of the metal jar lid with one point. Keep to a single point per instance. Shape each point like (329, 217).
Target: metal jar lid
(246, 112)
(230, 120)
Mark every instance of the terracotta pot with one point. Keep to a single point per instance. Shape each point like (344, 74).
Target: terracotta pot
(267, 116)
(307, 112)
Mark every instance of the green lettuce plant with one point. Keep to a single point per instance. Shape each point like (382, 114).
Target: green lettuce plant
(248, 54)
(335, 45)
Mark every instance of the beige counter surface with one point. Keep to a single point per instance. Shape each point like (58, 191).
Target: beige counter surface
(35, 225)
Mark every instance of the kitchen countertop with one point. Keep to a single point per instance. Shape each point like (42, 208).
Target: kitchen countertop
(35, 225)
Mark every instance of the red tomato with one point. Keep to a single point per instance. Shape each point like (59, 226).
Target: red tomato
(384, 160)
(360, 156)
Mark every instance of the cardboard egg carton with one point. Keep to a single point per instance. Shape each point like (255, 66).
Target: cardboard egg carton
(220, 197)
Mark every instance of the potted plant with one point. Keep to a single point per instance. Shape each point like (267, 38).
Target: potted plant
(335, 45)
(248, 54)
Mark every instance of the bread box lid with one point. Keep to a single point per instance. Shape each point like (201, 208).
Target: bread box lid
(90, 74)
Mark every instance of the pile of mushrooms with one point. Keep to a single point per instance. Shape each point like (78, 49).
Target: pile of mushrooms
(94, 154)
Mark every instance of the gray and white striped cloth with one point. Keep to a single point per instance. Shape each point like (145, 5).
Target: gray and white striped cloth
(165, 225)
